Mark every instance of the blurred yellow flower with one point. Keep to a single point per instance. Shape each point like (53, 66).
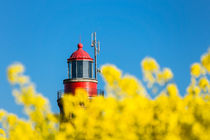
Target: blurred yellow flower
(149, 64)
(111, 74)
(2, 113)
(203, 83)
(197, 129)
(172, 90)
(14, 74)
(11, 119)
(164, 76)
(2, 133)
(148, 77)
(194, 90)
(167, 74)
(131, 86)
(196, 69)
(205, 60)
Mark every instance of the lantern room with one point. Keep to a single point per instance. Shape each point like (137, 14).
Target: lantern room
(80, 73)
(80, 64)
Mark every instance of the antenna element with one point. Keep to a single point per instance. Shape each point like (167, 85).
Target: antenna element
(96, 45)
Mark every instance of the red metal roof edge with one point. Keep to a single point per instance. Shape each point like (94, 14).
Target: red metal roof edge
(72, 59)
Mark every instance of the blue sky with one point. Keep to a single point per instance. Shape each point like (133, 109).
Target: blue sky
(42, 34)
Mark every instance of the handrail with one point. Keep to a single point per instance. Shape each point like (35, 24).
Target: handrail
(60, 93)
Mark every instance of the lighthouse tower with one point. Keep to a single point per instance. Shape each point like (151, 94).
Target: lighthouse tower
(80, 74)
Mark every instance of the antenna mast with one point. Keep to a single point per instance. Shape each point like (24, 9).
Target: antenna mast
(96, 46)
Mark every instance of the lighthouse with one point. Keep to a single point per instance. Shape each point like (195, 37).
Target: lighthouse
(81, 73)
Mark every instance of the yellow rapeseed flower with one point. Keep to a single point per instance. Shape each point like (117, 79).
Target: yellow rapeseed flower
(130, 86)
(172, 90)
(167, 74)
(2, 113)
(203, 83)
(164, 76)
(196, 69)
(111, 74)
(14, 71)
(11, 119)
(148, 77)
(23, 79)
(2, 133)
(149, 64)
(205, 60)
(194, 90)
(197, 129)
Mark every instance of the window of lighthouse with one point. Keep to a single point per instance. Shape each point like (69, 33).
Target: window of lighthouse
(90, 69)
(85, 69)
(73, 64)
(81, 69)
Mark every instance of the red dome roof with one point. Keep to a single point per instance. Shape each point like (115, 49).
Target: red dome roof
(80, 54)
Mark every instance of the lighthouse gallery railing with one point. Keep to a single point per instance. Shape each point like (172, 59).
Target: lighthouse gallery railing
(60, 93)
